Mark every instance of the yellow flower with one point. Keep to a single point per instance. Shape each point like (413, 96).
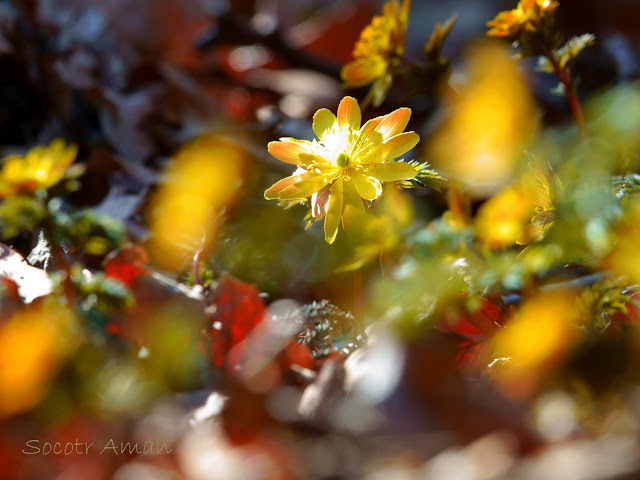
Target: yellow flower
(34, 343)
(538, 336)
(41, 168)
(624, 257)
(492, 118)
(527, 15)
(378, 51)
(502, 220)
(349, 163)
(520, 213)
(201, 182)
(547, 186)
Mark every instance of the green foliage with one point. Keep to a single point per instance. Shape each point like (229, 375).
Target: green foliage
(599, 302)
(433, 46)
(425, 177)
(626, 186)
(20, 214)
(99, 291)
(567, 53)
(94, 233)
(326, 329)
(539, 42)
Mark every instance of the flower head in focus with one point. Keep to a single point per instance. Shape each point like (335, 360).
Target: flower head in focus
(346, 165)
(526, 16)
(40, 168)
(378, 51)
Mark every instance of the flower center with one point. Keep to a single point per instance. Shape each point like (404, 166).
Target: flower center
(342, 160)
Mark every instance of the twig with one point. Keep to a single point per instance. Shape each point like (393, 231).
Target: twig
(196, 264)
(515, 298)
(564, 75)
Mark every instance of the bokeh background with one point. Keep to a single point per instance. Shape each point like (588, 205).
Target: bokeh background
(154, 92)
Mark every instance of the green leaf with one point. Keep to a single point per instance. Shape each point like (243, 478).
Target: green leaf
(603, 299)
(425, 177)
(20, 214)
(570, 50)
(100, 292)
(433, 47)
(544, 65)
(626, 185)
(95, 233)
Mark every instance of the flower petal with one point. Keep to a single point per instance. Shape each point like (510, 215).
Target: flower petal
(353, 212)
(288, 150)
(404, 12)
(323, 120)
(368, 132)
(307, 187)
(380, 88)
(349, 113)
(334, 211)
(394, 122)
(316, 163)
(400, 144)
(363, 71)
(367, 187)
(392, 171)
(319, 202)
(273, 192)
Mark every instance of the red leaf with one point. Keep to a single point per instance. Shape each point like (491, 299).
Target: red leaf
(472, 328)
(126, 264)
(238, 310)
(298, 354)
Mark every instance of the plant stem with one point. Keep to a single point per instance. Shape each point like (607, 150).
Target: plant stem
(61, 262)
(564, 75)
(196, 266)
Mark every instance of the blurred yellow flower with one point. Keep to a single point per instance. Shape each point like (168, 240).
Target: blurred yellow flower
(526, 15)
(624, 258)
(547, 186)
(501, 220)
(187, 212)
(540, 333)
(349, 163)
(378, 51)
(520, 213)
(382, 232)
(42, 167)
(33, 343)
(491, 119)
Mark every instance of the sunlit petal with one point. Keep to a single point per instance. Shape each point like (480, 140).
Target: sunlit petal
(319, 202)
(305, 188)
(349, 113)
(394, 122)
(363, 71)
(353, 212)
(273, 192)
(334, 211)
(392, 171)
(323, 120)
(367, 187)
(400, 144)
(288, 150)
(368, 132)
